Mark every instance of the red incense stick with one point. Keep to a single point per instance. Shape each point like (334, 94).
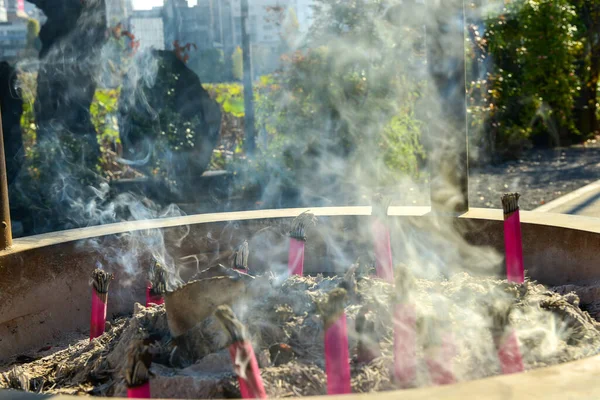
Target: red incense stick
(440, 351)
(297, 241)
(100, 283)
(137, 371)
(240, 261)
(509, 353)
(381, 241)
(507, 343)
(242, 355)
(337, 357)
(157, 285)
(405, 331)
(512, 238)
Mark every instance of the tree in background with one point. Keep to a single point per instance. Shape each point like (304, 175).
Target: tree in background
(341, 112)
(587, 65)
(533, 87)
(237, 64)
(33, 44)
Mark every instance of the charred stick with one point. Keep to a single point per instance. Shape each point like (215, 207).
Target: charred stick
(368, 347)
(512, 238)
(240, 260)
(137, 371)
(157, 285)
(242, 355)
(297, 242)
(337, 357)
(100, 282)
(381, 240)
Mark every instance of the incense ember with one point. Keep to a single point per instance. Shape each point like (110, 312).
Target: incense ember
(297, 242)
(287, 334)
(242, 356)
(157, 285)
(381, 240)
(100, 282)
(515, 271)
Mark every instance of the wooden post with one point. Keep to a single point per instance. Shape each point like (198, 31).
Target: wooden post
(448, 142)
(249, 119)
(5, 228)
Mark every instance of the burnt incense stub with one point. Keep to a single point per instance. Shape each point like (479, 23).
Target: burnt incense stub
(404, 281)
(240, 260)
(300, 224)
(158, 280)
(137, 366)
(101, 280)
(332, 308)
(510, 202)
(380, 205)
(231, 324)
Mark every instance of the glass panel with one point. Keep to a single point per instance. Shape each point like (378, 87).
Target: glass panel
(120, 109)
(532, 83)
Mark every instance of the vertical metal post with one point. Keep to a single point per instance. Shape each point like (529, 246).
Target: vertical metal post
(5, 228)
(249, 119)
(448, 155)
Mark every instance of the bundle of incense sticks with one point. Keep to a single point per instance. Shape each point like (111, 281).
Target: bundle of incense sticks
(100, 283)
(368, 347)
(512, 238)
(439, 352)
(405, 330)
(242, 355)
(297, 241)
(337, 357)
(507, 343)
(381, 240)
(240, 260)
(157, 285)
(137, 371)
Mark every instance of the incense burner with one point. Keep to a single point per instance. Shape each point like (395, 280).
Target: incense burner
(45, 291)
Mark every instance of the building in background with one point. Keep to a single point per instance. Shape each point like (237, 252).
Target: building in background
(15, 10)
(13, 39)
(3, 11)
(118, 11)
(147, 26)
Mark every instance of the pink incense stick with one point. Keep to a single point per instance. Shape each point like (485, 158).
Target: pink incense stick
(137, 370)
(512, 238)
(405, 345)
(100, 281)
(439, 360)
(297, 241)
(381, 241)
(337, 357)
(139, 392)
(242, 355)
(153, 299)
(240, 261)
(405, 330)
(157, 286)
(509, 353)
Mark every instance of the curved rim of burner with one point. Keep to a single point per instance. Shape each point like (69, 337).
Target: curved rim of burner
(54, 238)
(577, 379)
